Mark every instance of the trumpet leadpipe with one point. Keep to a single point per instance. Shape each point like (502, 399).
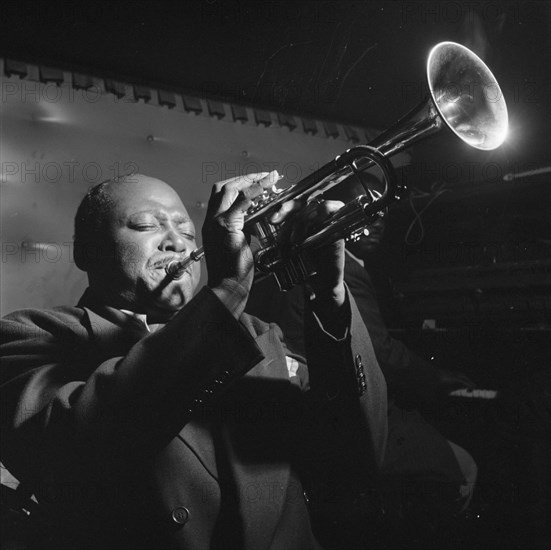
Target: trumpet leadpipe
(177, 268)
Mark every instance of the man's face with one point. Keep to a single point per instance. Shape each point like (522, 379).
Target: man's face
(147, 226)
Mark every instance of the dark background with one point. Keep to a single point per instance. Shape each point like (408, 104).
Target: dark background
(477, 260)
(357, 62)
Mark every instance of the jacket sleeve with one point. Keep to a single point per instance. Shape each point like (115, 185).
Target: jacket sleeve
(345, 376)
(407, 374)
(58, 395)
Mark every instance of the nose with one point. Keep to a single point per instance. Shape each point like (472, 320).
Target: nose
(172, 241)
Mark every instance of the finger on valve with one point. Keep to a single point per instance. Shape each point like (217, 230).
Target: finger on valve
(256, 184)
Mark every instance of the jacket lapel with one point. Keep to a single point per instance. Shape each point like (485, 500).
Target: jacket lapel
(258, 447)
(262, 485)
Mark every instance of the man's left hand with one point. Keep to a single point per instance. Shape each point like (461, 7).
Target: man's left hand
(328, 261)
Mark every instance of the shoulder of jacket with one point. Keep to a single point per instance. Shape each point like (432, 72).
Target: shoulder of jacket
(63, 318)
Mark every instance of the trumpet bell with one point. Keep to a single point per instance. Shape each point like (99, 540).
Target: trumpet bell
(467, 96)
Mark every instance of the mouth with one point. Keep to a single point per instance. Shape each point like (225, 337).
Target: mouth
(159, 267)
(179, 276)
(163, 262)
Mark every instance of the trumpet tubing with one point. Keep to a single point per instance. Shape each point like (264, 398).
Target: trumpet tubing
(463, 96)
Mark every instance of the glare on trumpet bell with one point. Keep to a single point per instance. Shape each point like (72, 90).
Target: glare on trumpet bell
(467, 96)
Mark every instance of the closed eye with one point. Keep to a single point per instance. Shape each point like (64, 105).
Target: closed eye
(145, 227)
(186, 230)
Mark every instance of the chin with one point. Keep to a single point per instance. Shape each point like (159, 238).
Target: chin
(174, 300)
(165, 300)
(164, 310)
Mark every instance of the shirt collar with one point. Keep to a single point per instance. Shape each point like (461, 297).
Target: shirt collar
(120, 317)
(140, 318)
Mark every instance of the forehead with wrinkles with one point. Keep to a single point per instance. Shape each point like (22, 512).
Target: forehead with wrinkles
(142, 193)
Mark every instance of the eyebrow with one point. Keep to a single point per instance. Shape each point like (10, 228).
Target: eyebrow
(182, 218)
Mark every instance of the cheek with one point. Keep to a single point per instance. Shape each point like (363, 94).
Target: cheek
(191, 283)
(131, 257)
(196, 273)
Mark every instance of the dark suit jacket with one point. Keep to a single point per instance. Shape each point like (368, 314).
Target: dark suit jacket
(406, 373)
(190, 437)
(414, 447)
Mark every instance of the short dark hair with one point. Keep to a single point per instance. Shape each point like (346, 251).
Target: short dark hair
(89, 222)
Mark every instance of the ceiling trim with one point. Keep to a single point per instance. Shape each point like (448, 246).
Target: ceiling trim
(200, 105)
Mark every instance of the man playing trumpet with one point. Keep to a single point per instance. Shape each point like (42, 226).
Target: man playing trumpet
(157, 415)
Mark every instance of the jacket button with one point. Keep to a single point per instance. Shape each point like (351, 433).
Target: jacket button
(180, 515)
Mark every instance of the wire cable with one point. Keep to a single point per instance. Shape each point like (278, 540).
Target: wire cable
(434, 193)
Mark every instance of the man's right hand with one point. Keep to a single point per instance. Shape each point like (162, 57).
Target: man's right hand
(229, 259)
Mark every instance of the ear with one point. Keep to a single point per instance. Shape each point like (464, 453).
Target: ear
(80, 256)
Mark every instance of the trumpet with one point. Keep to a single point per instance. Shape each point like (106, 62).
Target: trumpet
(463, 96)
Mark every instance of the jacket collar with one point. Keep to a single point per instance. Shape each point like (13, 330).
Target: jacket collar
(113, 331)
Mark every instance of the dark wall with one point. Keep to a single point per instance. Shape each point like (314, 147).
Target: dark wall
(476, 255)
